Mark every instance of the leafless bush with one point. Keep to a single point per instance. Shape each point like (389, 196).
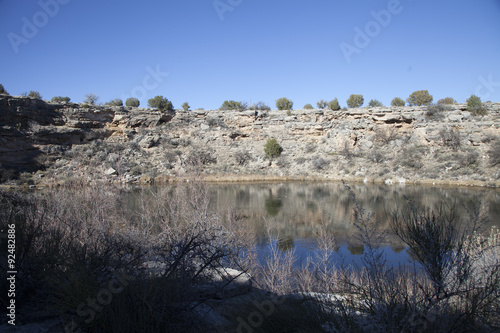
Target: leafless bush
(282, 162)
(468, 158)
(436, 111)
(347, 150)
(71, 245)
(494, 153)
(242, 157)
(386, 135)
(199, 157)
(300, 160)
(319, 163)
(310, 148)
(462, 293)
(216, 122)
(411, 156)
(376, 156)
(456, 289)
(451, 138)
(277, 274)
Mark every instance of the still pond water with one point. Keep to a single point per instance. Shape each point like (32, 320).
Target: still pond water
(296, 211)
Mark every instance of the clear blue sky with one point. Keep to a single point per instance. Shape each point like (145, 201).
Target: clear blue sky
(251, 50)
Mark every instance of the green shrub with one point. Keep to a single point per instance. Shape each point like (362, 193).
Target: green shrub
(115, 102)
(272, 148)
(284, 104)
(355, 101)
(233, 105)
(419, 98)
(132, 101)
(2, 90)
(34, 94)
(60, 99)
(91, 99)
(447, 100)
(322, 104)
(161, 103)
(396, 101)
(375, 103)
(334, 104)
(308, 107)
(185, 106)
(475, 106)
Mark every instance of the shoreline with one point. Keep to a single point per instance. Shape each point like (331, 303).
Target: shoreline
(255, 179)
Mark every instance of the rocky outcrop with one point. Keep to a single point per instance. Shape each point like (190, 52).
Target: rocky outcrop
(400, 144)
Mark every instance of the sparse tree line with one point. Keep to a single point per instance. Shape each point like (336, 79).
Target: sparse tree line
(416, 98)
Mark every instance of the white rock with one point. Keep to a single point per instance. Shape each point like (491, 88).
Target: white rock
(110, 172)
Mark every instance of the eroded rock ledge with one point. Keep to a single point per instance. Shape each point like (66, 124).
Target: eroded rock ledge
(46, 143)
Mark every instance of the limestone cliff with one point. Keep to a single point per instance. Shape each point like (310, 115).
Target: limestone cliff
(50, 143)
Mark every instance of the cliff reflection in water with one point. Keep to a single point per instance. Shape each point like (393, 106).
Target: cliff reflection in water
(295, 212)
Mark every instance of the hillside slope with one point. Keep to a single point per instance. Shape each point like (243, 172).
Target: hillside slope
(46, 143)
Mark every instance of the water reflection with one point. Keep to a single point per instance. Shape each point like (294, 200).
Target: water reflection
(295, 211)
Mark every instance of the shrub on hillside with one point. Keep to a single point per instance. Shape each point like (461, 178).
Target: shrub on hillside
(91, 99)
(115, 102)
(272, 148)
(259, 106)
(233, 105)
(185, 106)
(319, 163)
(468, 158)
(60, 99)
(494, 152)
(242, 157)
(161, 103)
(436, 111)
(334, 104)
(322, 104)
(475, 106)
(132, 101)
(375, 103)
(419, 98)
(34, 94)
(386, 135)
(411, 156)
(355, 101)
(396, 101)
(347, 150)
(198, 157)
(2, 90)
(447, 100)
(451, 138)
(308, 107)
(284, 104)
